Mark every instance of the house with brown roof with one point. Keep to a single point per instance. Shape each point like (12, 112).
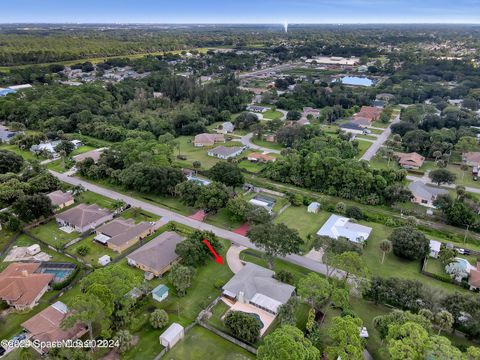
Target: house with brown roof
(46, 326)
(206, 139)
(119, 234)
(471, 158)
(158, 255)
(61, 199)
(370, 113)
(258, 157)
(21, 287)
(410, 160)
(84, 217)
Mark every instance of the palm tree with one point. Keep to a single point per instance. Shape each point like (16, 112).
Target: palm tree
(385, 247)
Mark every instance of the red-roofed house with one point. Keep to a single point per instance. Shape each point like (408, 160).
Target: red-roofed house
(21, 287)
(474, 278)
(368, 112)
(257, 157)
(410, 160)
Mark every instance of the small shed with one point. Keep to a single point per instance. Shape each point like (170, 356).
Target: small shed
(104, 260)
(172, 335)
(314, 207)
(160, 293)
(435, 248)
(33, 250)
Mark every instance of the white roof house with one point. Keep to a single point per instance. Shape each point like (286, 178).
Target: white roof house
(172, 335)
(313, 207)
(435, 248)
(104, 260)
(339, 226)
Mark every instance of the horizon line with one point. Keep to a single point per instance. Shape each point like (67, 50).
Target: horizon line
(241, 23)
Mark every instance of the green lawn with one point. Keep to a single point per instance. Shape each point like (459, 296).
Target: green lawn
(51, 234)
(251, 166)
(82, 149)
(200, 344)
(193, 153)
(463, 178)
(27, 155)
(272, 114)
(379, 124)
(307, 224)
(89, 197)
(363, 147)
(96, 250)
(223, 219)
(266, 144)
(58, 166)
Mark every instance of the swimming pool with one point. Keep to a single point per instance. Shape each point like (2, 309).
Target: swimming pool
(60, 271)
(356, 80)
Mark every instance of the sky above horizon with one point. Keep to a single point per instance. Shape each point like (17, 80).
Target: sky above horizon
(245, 11)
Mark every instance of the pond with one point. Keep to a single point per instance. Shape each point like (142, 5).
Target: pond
(356, 80)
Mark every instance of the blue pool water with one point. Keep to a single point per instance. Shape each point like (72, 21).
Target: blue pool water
(60, 274)
(355, 80)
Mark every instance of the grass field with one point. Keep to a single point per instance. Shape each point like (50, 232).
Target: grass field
(251, 166)
(363, 147)
(200, 344)
(267, 144)
(272, 114)
(51, 234)
(27, 155)
(307, 224)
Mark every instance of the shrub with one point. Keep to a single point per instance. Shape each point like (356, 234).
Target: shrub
(83, 250)
(159, 319)
(354, 213)
(242, 325)
(285, 276)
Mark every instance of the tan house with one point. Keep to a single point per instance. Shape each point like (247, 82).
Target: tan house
(61, 199)
(410, 160)
(205, 139)
(158, 255)
(21, 287)
(119, 234)
(84, 217)
(46, 326)
(425, 195)
(471, 158)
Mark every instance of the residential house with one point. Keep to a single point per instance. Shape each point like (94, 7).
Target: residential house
(77, 143)
(352, 128)
(303, 121)
(172, 335)
(224, 152)
(271, 138)
(93, 154)
(257, 109)
(474, 278)
(263, 201)
(21, 287)
(362, 122)
(84, 217)
(160, 293)
(119, 234)
(425, 195)
(368, 112)
(6, 135)
(262, 158)
(341, 227)
(206, 139)
(158, 255)
(226, 128)
(435, 247)
(315, 113)
(410, 160)
(256, 286)
(378, 103)
(46, 147)
(46, 326)
(471, 158)
(314, 207)
(61, 199)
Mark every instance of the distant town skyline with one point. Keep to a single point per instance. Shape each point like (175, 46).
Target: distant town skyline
(243, 12)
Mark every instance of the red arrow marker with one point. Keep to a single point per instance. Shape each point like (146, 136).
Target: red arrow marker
(218, 259)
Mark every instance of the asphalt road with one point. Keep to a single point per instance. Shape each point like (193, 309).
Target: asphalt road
(372, 150)
(173, 216)
(426, 180)
(247, 141)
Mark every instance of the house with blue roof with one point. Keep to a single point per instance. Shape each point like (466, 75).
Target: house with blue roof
(160, 293)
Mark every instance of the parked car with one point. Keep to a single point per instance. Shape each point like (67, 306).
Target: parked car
(2, 351)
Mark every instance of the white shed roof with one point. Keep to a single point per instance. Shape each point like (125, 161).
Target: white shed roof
(172, 332)
(435, 245)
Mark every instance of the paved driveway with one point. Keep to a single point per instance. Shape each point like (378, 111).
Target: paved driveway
(372, 150)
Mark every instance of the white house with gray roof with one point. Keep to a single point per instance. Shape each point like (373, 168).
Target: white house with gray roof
(339, 226)
(425, 195)
(256, 286)
(224, 152)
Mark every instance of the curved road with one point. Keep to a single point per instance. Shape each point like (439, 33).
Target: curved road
(173, 216)
(247, 141)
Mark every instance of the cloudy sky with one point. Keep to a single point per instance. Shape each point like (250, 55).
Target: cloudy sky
(243, 11)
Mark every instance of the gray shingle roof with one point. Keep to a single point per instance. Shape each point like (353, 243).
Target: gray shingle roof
(424, 191)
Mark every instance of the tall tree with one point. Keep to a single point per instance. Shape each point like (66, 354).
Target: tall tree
(385, 247)
(315, 290)
(345, 336)
(227, 173)
(181, 278)
(275, 240)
